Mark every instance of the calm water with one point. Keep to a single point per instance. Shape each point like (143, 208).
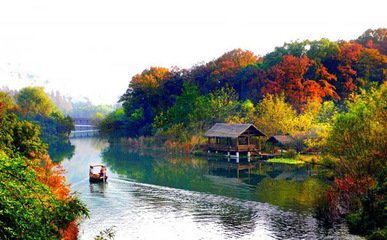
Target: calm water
(153, 196)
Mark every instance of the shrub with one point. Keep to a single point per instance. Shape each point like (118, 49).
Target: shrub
(291, 153)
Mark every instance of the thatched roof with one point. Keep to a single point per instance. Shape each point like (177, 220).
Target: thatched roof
(284, 140)
(232, 130)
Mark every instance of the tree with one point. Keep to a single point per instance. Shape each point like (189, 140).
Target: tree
(348, 55)
(224, 71)
(295, 49)
(182, 110)
(374, 39)
(302, 80)
(7, 104)
(323, 51)
(275, 116)
(145, 92)
(371, 67)
(21, 137)
(223, 103)
(358, 145)
(35, 205)
(34, 101)
(358, 138)
(250, 80)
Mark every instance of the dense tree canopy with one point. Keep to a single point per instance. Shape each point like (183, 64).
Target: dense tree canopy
(34, 105)
(34, 101)
(304, 72)
(357, 145)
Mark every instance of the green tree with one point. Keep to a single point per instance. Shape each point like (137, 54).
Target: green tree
(223, 103)
(19, 137)
(34, 101)
(358, 145)
(275, 116)
(358, 138)
(7, 104)
(182, 110)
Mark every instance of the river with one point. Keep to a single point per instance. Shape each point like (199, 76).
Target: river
(160, 196)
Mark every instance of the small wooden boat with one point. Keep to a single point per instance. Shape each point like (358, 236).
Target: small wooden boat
(97, 177)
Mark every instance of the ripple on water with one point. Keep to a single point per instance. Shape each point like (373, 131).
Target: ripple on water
(144, 211)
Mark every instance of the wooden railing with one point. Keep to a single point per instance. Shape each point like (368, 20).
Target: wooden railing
(240, 148)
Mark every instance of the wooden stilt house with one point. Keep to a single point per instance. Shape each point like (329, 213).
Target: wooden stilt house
(234, 138)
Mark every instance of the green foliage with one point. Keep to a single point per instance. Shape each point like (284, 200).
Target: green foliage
(380, 234)
(327, 112)
(29, 210)
(87, 110)
(358, 144)
(296, 49)
(291, 153)
(358, 138)
(97, 118)
(223, 103)
(19, 137)
(196, 113)
(54, 131)
(6, 103)
(275, 116)
(323, 50)
(34, 101)
(184, 107)
(34, 105)
(286, 160)
(215, 91)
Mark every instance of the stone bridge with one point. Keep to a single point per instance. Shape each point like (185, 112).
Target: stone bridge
(84, 128)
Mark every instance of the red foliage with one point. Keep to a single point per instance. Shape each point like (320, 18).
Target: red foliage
(231, 62)
(341, 195)
(348, 55)
(356, 186)
(71, 233)
(51, 174)
(292, 76)
(150, 78)
(346, 184)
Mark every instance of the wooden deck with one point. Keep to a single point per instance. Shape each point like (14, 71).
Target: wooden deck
(240, 148)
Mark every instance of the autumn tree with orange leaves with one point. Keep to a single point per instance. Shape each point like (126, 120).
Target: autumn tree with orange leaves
(301, 80)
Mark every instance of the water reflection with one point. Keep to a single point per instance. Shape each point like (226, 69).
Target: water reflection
(287, 186)
(98, 188)
(61, 150)
(158, 196)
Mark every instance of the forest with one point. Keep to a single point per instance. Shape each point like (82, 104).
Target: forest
(306, 73)
(329, 95)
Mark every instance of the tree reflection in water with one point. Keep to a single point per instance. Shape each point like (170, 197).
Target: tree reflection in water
(289, 187)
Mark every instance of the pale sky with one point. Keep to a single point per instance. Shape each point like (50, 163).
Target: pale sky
(92, 48)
